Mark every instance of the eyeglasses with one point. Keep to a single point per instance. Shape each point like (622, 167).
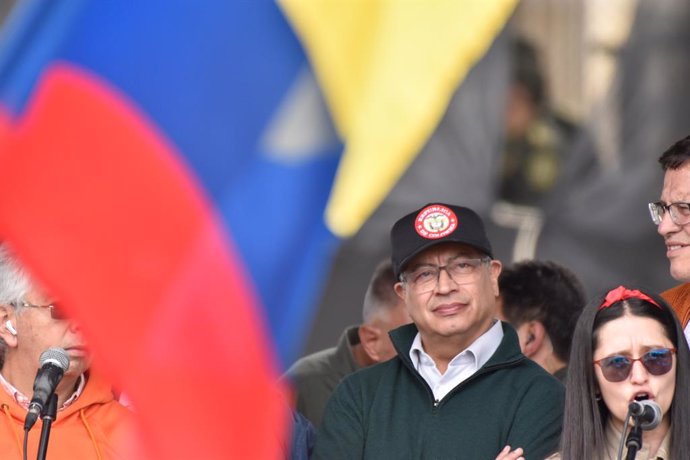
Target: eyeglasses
(617, 368)
(679, 211)
(56, 311)
(425, 278)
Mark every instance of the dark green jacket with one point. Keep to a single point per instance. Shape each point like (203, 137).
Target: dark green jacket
(387, 411)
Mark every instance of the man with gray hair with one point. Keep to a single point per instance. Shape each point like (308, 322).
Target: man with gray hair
(459, 387)
(315, 376)
(90, 423)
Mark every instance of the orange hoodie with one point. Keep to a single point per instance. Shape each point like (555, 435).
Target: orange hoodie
(95, 426)
(679, 299)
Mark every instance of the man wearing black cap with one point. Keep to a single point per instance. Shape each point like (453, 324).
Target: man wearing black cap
(459, 386)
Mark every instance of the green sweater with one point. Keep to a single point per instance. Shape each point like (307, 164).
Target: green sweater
(387, 411)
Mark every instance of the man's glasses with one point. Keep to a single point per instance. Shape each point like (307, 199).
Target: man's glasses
(425, 277)
(617, 368)
(679, 211)
(56, 311)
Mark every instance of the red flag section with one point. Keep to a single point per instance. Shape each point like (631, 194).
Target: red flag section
(4, 124)
(99, 204)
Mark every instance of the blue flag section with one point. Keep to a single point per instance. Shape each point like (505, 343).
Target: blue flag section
(227, 83)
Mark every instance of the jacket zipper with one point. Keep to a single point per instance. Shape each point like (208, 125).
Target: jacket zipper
(435, 403)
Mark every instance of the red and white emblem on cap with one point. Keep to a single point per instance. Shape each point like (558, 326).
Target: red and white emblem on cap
(435, 221)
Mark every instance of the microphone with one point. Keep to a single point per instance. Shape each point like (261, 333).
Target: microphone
(647, 414)
(54, 362)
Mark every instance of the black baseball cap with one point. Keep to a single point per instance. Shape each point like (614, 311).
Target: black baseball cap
(433, 224)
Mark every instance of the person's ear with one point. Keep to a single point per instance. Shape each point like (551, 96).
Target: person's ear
(495, 267)
(535, 338)
(399, 289)
(8, 325)
(369, 337)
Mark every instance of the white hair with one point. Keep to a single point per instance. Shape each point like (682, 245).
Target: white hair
(14, 281)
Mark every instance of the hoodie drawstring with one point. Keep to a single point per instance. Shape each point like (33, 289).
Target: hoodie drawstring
(6, 410)
(93, 438)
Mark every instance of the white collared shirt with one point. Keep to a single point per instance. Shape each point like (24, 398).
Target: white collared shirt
(461, 367)
(24, 401)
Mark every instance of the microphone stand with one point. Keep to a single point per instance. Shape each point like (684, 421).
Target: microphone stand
(49, 414)
(634, 441)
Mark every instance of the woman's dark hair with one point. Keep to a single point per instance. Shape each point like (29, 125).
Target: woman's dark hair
(585, 417)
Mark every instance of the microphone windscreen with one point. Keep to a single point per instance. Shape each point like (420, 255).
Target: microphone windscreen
(651, 415)
(56, 356)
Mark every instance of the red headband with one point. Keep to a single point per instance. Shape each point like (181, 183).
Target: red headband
(623, 293)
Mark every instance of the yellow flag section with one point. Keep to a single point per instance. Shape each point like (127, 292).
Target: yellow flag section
(388, 69)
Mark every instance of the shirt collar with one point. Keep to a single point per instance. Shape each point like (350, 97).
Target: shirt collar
(23, 401)
(479, 351)
(417, 353)
(486, 344)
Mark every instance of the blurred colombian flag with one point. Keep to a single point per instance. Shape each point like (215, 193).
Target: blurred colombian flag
(168, 169)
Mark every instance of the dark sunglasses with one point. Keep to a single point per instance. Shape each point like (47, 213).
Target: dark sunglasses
(56, 311)
(617, 368)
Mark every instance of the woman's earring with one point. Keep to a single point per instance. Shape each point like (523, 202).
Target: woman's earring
(597, 397)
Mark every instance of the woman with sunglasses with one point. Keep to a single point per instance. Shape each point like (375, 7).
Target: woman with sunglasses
(627, 346)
